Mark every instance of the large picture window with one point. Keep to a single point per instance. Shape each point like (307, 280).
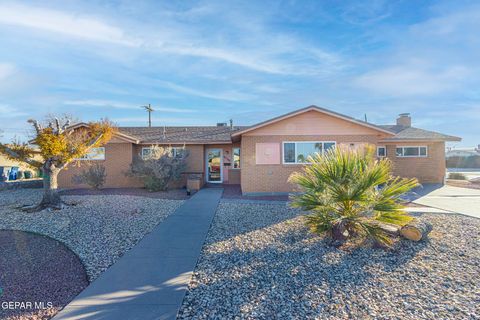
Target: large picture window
(406, 152)
(94, 154)
(298, 152)
(236, 158)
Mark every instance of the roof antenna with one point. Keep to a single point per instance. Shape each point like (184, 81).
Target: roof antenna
(366, 117)
(149, 109)
(231, 124)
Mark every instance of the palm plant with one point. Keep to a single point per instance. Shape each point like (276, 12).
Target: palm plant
(351, 194)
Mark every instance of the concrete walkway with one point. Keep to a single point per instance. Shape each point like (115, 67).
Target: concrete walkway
(453, 199)
(150, 280)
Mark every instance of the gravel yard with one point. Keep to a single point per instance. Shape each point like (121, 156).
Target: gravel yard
(99, 228)
(259, 261)
(58, 276)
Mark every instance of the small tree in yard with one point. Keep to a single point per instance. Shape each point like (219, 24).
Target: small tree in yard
(159, 167)
(58, 145)
(94, 176)
(350, 194)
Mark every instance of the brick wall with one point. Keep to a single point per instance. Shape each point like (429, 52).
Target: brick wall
(430, 169)
(118, 157)
(273, 178)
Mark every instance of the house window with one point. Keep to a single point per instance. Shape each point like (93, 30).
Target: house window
(146, 152)
(298, 152)
(177, 152)
(94, 154)
(381, 152)
(405, 152)
(236, 158)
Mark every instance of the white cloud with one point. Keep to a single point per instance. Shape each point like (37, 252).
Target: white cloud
(122, 105)
(60, 22)
(412, 79)
(257, 48)
(218, 95)
(9, 112)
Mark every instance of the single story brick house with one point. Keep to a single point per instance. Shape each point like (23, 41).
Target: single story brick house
(261, 157)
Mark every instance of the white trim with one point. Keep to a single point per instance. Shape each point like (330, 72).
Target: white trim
(419, 155)
(301, 163)
(221, 165)
(384, 147)
(141, 152)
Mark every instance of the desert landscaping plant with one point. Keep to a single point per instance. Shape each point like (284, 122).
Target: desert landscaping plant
(159, 168)
(457, 176)
(93, 176)
(351, 194)
(58, 144)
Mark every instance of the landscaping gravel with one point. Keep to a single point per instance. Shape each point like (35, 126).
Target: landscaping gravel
(259, 261)
(98, 228)
(39, 272)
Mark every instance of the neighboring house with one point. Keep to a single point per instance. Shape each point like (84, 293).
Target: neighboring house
(7, 164)
(262, 157)
(463, 157)
(463, 152)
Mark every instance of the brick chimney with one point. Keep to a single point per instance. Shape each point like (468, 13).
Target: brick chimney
(404, 119)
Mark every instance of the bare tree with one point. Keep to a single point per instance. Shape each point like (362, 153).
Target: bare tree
(58, 145)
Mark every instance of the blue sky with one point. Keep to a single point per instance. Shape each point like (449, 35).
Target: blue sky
(203, 62)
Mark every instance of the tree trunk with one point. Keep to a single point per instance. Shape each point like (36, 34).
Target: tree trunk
(416, 230)
(51, 198)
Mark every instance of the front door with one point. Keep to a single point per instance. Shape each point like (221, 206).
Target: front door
(214, 166)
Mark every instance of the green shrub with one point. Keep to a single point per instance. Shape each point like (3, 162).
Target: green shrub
(94, 176)
(159, 168)
(350, 194)
(457, 176)
(28, 174)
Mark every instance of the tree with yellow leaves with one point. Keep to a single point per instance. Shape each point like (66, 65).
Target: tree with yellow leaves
(58, 145)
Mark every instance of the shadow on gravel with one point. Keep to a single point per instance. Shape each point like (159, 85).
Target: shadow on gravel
(174, 194)
(288, 267)
(38, 270)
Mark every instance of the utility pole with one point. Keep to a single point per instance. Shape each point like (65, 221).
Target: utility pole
(149, 110)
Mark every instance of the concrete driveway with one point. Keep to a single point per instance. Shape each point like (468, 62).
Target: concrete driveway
(454, 199)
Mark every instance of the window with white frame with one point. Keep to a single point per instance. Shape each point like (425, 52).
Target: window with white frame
(381, 151)
(94, 154)
(146, 152)
(298, 152)
(177, 152)
(416, 151)
(236, 158)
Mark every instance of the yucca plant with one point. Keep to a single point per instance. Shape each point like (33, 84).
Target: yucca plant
(351, 194)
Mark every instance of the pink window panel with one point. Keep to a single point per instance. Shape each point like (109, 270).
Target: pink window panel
(267, 153)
